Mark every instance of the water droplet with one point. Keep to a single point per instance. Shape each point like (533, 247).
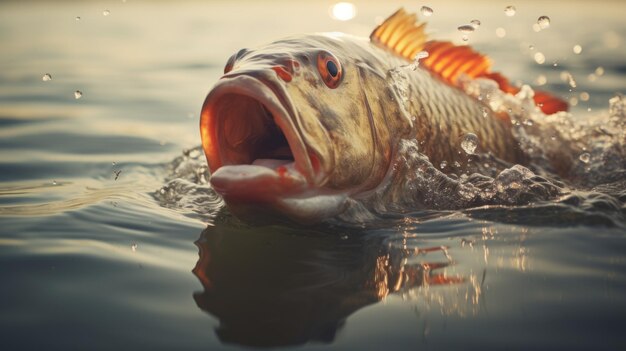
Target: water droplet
(443, 164)
(510, 11)
(344, 237)
(540, 58)
(464, 37)
(106, 12)
(133, 247)
(46, 77)
(573, 101)
(457, 164)
(466, 29)
(54, 182)
(77, 18)
(599, 71)
(584, 157)
(531, 47)
(78, 94)
(426, 11)
(584, 96)
(577, 49)
(469, 143)
(592, 77)
(553, 137)
(113, 163)
(555, 64)
(543, 22)
(475, 23)
(589, 109)
(500, 32)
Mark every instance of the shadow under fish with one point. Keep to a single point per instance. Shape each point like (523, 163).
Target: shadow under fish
(276, 287)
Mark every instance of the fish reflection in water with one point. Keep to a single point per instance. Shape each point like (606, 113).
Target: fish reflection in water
(276, 288)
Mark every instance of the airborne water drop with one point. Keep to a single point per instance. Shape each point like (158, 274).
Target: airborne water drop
(78, 94)
(426, 11)
(510, 11)
(46, 77)
(469, 143)
(543, 22)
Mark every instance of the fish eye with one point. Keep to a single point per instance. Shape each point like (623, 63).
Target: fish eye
(329, 69)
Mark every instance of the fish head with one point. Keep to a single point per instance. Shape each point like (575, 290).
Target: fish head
(289, 129)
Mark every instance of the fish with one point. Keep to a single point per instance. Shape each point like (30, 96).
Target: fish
(298, 128)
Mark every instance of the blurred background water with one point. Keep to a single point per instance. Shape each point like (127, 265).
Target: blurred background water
(93, 258)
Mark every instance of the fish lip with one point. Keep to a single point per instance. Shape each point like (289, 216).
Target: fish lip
(274, 97)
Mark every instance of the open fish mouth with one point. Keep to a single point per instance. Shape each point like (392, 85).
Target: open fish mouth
(253, 147)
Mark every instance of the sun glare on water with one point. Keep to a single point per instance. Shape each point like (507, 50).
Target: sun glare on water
(343, 11)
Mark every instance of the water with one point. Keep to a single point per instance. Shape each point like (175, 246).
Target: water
(111, 238)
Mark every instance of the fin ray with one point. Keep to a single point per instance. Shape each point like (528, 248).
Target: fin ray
(404, 35)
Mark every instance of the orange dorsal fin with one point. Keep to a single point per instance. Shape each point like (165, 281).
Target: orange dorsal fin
(449, 61)
(404, 35)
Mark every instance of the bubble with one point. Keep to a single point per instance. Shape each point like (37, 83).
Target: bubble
(466, 29)
(106, 12)
(113, 163)
(426, 11)
(599, 71)
(584, 96)
(46, 77)
(584, 157)
(77, 18)
(133, 247)
(536, 27)
(443, 164)
(343, 11)
(500, 32)
(531, 47)
(510, 10)
(592, 77)
(469, 143)
(78, 94)
(475, 23)
(540, 58)
(577, 49)
(573, 101)
(543, 22)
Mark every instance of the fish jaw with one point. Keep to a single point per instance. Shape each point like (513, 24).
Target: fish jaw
(257, 157)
